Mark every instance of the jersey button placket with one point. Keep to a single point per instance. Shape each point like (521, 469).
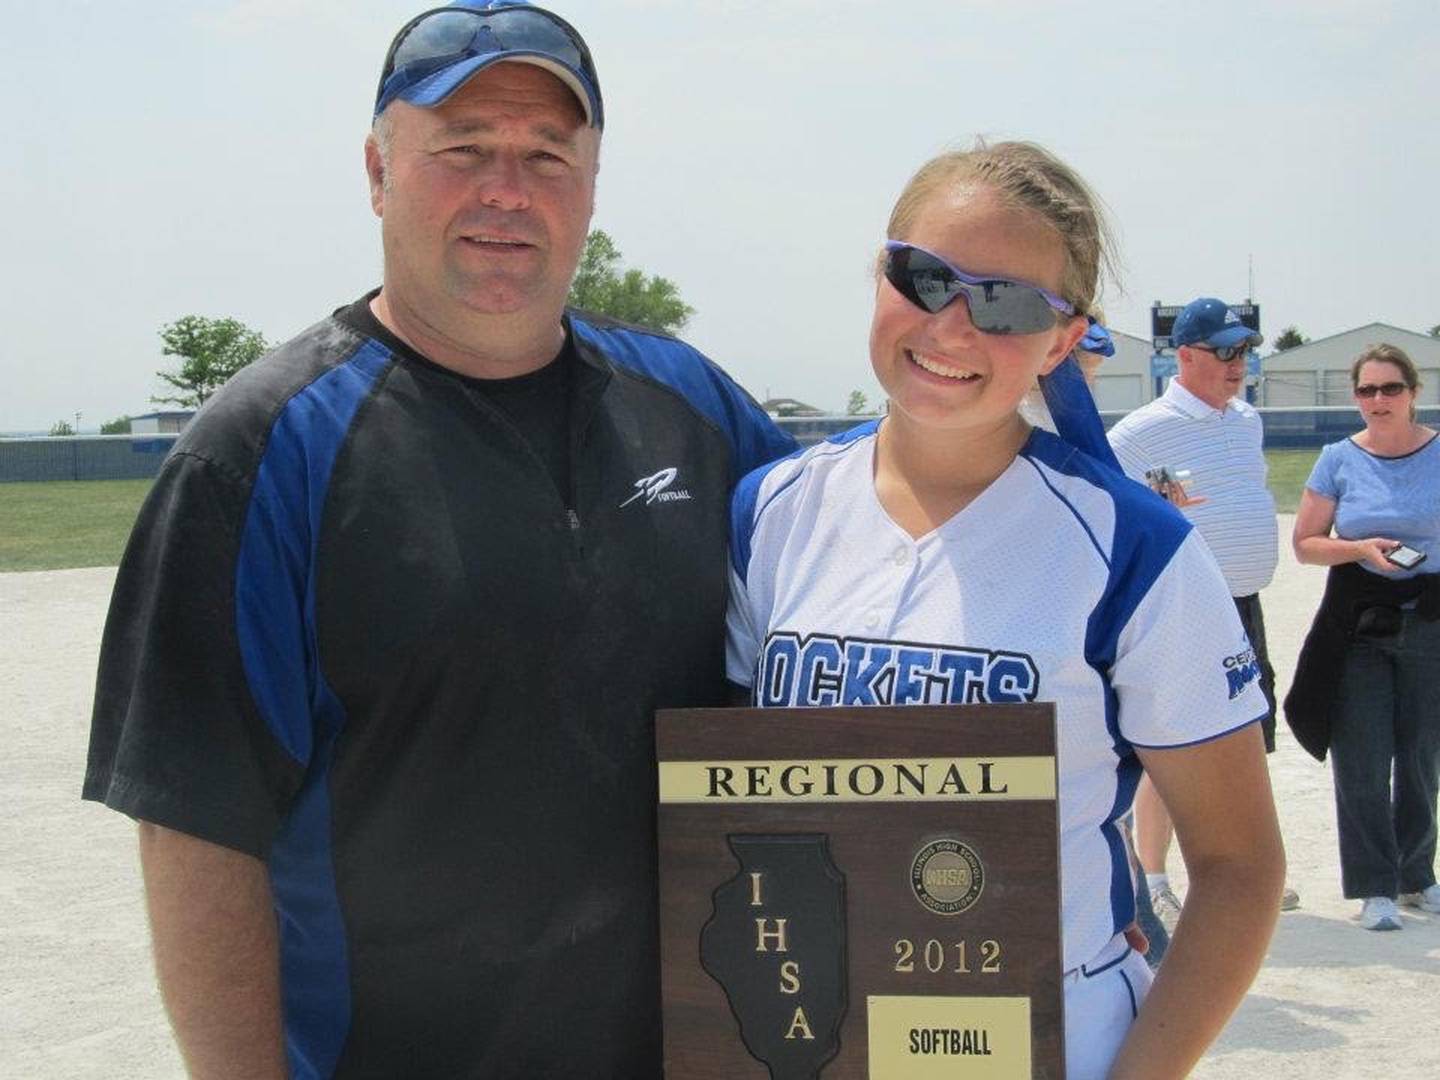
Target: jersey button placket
(900, 564)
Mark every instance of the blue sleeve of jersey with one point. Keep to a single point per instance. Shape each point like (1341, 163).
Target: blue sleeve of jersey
(754, 437)
(274, 595)
(1148, 532)
(742, 520)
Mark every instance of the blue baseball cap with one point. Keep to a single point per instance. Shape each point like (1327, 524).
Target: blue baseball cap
(1211, 322)
(436, 52)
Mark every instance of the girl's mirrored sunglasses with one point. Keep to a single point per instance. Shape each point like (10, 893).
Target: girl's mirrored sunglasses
(1225, 353)
(997, 306)
(1389, 389)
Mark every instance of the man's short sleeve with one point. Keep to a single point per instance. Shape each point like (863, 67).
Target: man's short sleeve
(1184, 671)
(176, 738)
(1128, 452)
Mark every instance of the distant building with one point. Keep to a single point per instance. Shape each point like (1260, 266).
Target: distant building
(160, 423)
(1299, 380)
(784, 406)
(1123, 381)
(1318, 372)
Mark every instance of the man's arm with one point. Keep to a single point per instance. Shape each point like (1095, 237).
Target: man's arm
(1135, 459)
(212, 923)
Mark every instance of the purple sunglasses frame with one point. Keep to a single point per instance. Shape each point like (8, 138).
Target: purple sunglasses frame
(1062, 306)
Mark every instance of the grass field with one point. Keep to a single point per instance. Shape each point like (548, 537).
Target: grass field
(1289, 469)
(67, 523)
(61, 525)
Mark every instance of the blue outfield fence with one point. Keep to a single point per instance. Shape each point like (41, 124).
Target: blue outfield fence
(83, 457)
(1286, 427)
(138, 457)
(1304, 428)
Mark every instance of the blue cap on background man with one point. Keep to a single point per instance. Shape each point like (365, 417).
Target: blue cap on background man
(435, 53)
(1208, 321)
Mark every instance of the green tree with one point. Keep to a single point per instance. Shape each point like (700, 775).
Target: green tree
(1289, 338)
(630, 296)
(61, 427)
(857, 404)
(1435, 330)
(210, 351)
(119, 426)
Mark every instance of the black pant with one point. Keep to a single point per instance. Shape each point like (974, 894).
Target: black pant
(1387, 726)
(1253, 619)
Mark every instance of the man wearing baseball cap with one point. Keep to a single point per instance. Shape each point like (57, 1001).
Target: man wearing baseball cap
(382, 660)
(1203, 426)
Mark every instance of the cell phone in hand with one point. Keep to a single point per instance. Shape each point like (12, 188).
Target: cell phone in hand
(1163, 477)
(1407, 558)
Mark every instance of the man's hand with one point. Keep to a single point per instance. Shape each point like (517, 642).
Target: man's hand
(1172, 490)
(1136, 939)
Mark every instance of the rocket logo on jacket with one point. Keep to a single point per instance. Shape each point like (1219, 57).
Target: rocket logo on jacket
(824, 669)
(656, 488)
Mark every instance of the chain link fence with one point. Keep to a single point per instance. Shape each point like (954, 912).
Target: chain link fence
(138, 457)
(1286, 427)
(83, 457)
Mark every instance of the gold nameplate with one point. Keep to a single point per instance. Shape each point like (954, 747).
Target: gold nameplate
(927, 1038)
(857, 780)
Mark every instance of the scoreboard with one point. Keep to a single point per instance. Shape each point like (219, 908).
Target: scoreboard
(1162, 320)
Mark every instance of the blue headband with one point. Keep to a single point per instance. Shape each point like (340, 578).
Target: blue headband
(1097, 340)
(1071, 404)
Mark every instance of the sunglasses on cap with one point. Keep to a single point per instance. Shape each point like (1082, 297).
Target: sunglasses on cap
(1224, 353)
(442, 37)
(997, 306)
(1389, 389)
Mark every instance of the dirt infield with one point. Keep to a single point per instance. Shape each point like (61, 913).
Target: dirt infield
(78, 997)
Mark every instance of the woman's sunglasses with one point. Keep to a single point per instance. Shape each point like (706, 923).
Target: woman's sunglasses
(1224, 353)
(997, 306)
(1389, 389)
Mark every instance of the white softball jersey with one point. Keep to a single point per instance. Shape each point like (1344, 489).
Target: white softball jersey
(1062, 582)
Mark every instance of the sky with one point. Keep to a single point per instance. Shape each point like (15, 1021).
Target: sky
(165, 159)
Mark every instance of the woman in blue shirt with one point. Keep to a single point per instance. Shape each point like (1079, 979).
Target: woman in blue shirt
(1380, 493)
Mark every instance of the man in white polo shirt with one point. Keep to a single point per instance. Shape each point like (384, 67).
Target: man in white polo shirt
(1201, 425)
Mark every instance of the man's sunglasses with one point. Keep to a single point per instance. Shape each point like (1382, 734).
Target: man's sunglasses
(997, 306)
(440, 37)
(1225, 353)
(1389, 389)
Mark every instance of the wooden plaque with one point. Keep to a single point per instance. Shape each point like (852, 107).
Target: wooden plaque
(869, 892)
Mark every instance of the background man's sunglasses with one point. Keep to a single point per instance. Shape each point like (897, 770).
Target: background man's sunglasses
(1389, 389)
(1225, 353)
(997, 306)
(438, 38)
